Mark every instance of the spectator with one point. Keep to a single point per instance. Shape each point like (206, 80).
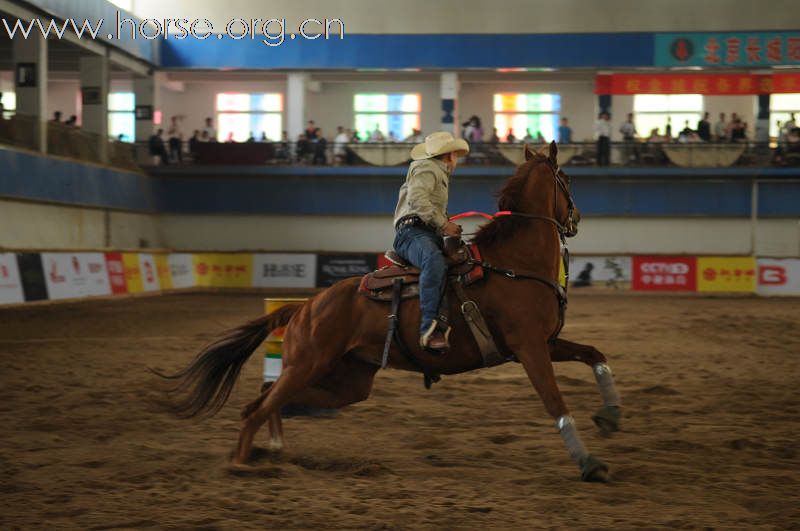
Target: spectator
(584, 277)
(376, 135)
(175, 139)
(415, 137)
(721, 129)
(790, 124)
(209, 133)
(56, 117)
(251, 139)
(263, 137)
(157, 148)
(668, 128)
(340, 145)
(204, 136)
(320, 145)
(193, 142)
(540, 139)
(686, 131)
(229, 139)
(302, 148)
(655, 136)
(733, 124)
(283, 147)
(354, 139)
(564, 132)
(392, 138)
(704, 128)
(629, 134)
(528, 138)
(738, 130)
(350, 156)
(311, 131)
(510, 138)
(72, 121)
(602, 133)
(473, 131)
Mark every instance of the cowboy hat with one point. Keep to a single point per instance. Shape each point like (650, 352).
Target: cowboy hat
(438, 144)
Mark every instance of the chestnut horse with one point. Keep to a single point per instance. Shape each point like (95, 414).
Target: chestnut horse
(333, 342)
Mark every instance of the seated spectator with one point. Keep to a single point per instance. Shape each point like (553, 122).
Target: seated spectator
(494, 139)
(311, 131)
(510, 138)
(209, 133)
(416, 137)
(656, 137)
(354, 139)
(204, 136)
(320, 146)
(540, 138)
(263, 137)
(738, 131)
(473, 131)
(56, 117)
(282, 153)
(584, 277)
(302, 148)
(229, 139)
(157, 147)
(528, 138)
(376, 135)
(251, 139)
(391, 137)
(193, 142)
(704, 128)
(175, 139)
(72, 121)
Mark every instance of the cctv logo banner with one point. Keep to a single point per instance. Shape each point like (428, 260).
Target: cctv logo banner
(778, 276)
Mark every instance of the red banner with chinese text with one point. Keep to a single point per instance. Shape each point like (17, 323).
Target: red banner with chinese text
(707, 84)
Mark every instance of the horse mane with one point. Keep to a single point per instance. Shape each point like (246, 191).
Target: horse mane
(503, 227)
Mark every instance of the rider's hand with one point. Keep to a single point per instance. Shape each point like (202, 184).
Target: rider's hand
(451, 229)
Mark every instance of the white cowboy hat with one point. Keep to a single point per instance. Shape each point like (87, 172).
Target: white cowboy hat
(438, 144)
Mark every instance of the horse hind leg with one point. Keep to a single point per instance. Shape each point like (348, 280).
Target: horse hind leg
(276, 440)
(607, 418)
(539, 368)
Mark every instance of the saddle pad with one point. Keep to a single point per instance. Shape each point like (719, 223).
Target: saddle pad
(394, 271)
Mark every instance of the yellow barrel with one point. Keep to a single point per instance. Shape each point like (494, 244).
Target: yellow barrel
(274, 342)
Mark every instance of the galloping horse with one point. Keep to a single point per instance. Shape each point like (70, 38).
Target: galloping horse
(332, 343)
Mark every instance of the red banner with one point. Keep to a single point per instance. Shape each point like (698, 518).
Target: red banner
(664, 273)
(707, 84)
(116, 273)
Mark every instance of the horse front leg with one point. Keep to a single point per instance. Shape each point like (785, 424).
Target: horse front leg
(536, 361)
(608, 417)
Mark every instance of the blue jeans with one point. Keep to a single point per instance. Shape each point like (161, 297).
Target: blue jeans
(423, 248)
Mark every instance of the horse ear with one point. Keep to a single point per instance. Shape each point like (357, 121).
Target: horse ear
(528, 152)
(553, 152)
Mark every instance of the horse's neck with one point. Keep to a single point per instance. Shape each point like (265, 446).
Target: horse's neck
(534, 247)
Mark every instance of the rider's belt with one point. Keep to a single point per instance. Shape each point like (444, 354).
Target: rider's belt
(411, 221)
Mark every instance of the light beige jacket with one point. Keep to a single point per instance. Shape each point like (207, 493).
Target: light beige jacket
(424, 193)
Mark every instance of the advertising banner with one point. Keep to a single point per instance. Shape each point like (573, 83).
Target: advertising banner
(163, 271)
(599, 270)
(73, 275)
(10, 281)
(332, 268)
(116, 273)
(726, 274)
(133, 272)
(778, 276)
(181, 270)
(31, 273)
(220, 270)
(284, 270)
(664, 273)
(147, 265)
(727, 49)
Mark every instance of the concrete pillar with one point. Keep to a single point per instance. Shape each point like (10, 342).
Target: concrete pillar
(295, 103)
(762, 118)
(94, 76)
(30, 67)
(145, 94)
(449, 95)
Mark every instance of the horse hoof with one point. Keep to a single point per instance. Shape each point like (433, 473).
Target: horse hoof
(607, 418)
(275, 445)
(592, 469)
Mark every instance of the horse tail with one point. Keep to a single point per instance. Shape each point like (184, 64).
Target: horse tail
(205, 384)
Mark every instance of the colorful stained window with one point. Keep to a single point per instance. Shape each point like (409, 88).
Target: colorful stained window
(240, 115)
(781, 108)
(529, 117)
(390, 116)
(654, 111)
(121, 116)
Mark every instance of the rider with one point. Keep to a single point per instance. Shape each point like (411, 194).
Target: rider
(421, 221)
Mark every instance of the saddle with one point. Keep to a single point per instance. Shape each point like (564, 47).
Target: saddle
(463, 261)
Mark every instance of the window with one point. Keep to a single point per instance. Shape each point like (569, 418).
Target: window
(9, 101)
(241, 115)
(527, 114)
(780, 108)
(394, 115)
(651, 111)
(121, 116)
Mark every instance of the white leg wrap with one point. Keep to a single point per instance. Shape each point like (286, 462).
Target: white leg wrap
(605, 380)
(566, 427)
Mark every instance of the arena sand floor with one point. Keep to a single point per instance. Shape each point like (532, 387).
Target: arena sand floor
(711, 423)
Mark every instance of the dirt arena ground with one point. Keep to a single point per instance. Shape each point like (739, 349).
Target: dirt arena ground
(711, 422)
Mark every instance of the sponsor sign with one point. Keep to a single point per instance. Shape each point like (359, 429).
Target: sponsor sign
(133, 272)
(162, 270)
(220, 270)
(332, 268)
(147, 265)
(727, 49)
(734, 273)
(116, 273)
(707, 84)
(72, 275)
(602, 270)
(181, 270)
(664, 273)
(778, 276)
(10, 281)
(284, 270)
